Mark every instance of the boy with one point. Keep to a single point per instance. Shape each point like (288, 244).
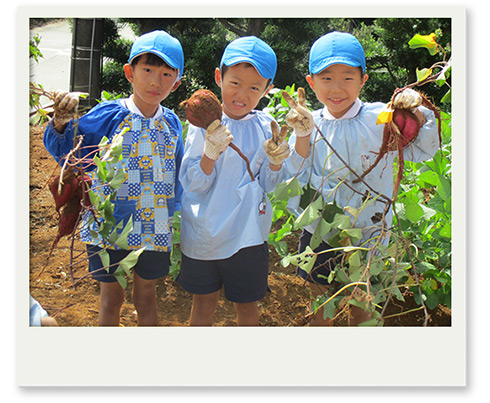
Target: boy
(337, 74)
(226, 217)
(152, 153)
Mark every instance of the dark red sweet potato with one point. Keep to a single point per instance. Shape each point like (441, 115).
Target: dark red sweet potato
(202, 108)
(69, 217)
(69, 188)
(408, 128)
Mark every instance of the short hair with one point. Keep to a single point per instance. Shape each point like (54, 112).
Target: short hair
(224, 69)
(152, 60)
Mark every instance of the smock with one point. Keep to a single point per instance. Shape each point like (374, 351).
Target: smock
(152, 150)
(357, 139)
(227, 211)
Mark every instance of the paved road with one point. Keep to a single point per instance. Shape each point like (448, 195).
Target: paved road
(53, 69)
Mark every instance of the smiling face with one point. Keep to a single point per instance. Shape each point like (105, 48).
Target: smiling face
(242, 87)
(337, 87)
(151, 84)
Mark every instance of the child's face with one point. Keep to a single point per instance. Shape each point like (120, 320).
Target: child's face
(151, 85)
(337, 87)
(242, 87)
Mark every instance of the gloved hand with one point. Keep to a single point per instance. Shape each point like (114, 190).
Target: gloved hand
(277, 148)
(299, 117)
(407, 99)
(65, 106)
(217, 138)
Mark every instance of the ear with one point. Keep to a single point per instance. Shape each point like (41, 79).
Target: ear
(364, 79)
(217, 76)
(310, 81)
(128, 72)
(271, 86)
(176, 85)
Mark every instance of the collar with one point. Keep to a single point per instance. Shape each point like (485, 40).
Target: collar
(129, 103)
(351, 113)
(250, 115)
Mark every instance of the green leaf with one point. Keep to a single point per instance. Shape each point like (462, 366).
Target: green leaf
(130, 260)
(101, 169)
(119, 274)
(304, 260)
(446, 231)
(355, 234)
(430, 177)
(122, 241)
(444, 190)
(310, 214)
(94, 199)
(321, 229)
(447, 97)
(341, 221)
(355, 260)
(308, 193)
(423, 74)
(424, 41)
(413, 211)
(286, 190)
(118, 179)
(104, 258)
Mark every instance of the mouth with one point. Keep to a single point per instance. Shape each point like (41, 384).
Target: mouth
(238, 104)
(336, 101)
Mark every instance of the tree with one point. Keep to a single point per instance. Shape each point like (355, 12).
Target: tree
(390, 63)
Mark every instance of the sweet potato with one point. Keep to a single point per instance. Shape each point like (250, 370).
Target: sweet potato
(69, 217)
(68, 189)
(202, 109)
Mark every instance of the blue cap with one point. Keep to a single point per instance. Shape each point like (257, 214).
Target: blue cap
(336, 48)
(252, 50)
(161, 44)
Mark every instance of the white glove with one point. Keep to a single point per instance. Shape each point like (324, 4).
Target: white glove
(65, 105)
(277, 148)
(217, 138)
(299, 117)
(407, 99)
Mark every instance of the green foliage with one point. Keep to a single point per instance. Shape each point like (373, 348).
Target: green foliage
(418, 256)
(34, 51)
(390, 62)
(113, 234)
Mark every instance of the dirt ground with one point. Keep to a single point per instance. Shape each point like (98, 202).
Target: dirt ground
(285, 305)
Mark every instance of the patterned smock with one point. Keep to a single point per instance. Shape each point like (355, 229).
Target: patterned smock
(151, 155)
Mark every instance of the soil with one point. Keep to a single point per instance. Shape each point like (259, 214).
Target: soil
(286, 304)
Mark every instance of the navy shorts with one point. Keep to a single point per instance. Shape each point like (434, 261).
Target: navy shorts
(150, 266)
(243, 275)
(324, 263)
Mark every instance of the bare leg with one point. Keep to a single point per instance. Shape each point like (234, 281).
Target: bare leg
(203, 309)
(145, 301)
(247, 313)
(111, 300)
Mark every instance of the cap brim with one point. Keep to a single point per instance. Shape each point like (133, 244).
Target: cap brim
(334, 60)
(165, 58)
(241, 59)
